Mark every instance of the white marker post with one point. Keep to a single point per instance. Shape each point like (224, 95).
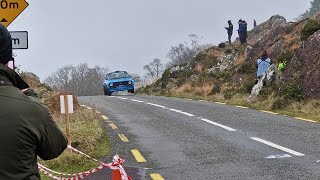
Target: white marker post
(66, 104)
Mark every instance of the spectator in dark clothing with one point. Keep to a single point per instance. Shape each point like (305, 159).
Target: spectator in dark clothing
(245, 31)
(230, 30)
(241, 31)
(254, 23)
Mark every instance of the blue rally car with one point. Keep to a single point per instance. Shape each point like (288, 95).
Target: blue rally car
(118, 81)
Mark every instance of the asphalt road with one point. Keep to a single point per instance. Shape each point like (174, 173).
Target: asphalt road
(189, 139)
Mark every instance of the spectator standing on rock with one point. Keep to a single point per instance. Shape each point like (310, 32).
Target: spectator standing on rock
(245, 31)
(263, 64)
(254, 23)
(241, 31)
(230, 30)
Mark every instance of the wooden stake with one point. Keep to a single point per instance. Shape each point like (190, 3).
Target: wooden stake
(67, 120)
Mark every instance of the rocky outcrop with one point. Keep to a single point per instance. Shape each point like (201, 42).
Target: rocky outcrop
(304, 67)
(263, 29)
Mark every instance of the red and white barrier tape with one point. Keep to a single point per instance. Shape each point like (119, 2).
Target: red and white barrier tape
(115, 165)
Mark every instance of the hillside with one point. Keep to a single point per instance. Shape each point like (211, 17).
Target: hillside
(229, 73)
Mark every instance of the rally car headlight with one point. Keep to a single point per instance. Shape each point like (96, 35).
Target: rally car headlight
(130, 82)
(111, 84)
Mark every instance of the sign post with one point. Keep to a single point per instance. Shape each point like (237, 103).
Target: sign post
(66, 104)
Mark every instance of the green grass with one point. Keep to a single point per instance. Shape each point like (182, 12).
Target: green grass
(88, 135)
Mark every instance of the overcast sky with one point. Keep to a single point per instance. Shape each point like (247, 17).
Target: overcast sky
(127, 34)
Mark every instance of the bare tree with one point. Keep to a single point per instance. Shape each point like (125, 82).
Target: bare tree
(314, 9)
(80, 80)
(183, 52)
(136, 77)
(154, 69)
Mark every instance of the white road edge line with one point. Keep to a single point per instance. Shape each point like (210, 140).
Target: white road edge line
(122, 98)
(136, 100)
(277, 146)
(219, 125)
(203, 101)
(157, 105)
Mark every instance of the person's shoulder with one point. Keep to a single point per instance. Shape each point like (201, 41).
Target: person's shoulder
(27, 102)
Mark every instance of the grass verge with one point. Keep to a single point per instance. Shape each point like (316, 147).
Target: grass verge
(87, 135)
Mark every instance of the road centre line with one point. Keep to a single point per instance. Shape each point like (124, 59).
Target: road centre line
(268, 112)
(123, 137)
(113, 126)
(308, 120)
(137, 155)
(157, 105)
(156, 176)
(219, 125)
(188, 99)
(83, 105)
(136, 100)
(277, 146)
(181, 112)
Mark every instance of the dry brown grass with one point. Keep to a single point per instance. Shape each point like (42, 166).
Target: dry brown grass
(240, 60)
(185, 88)
(198, 68)
(202, 90)
(215, 53)
(188, 89)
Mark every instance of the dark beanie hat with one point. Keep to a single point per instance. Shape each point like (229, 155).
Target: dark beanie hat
(264, 54)
(5, 45)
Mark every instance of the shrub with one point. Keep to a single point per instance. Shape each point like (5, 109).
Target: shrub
(292, 91)
(247, 68)
(216, 88)
(229, 94)
(248, 85)
(311, 27)
(280, 104)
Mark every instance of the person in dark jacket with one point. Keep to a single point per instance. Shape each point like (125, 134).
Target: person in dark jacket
(230, 30)
(240, 31)
(245, 31)
(27, 129)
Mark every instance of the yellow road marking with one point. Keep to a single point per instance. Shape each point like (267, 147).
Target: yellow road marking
(268, 112)
(220, 103)
(156, 177)
(109, 121)
(309, 120)
(242, 107)
(105, 117)
(138, 155)
(113, 126)
(123, 137)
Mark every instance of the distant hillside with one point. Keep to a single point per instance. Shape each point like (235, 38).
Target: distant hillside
(230, 72)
